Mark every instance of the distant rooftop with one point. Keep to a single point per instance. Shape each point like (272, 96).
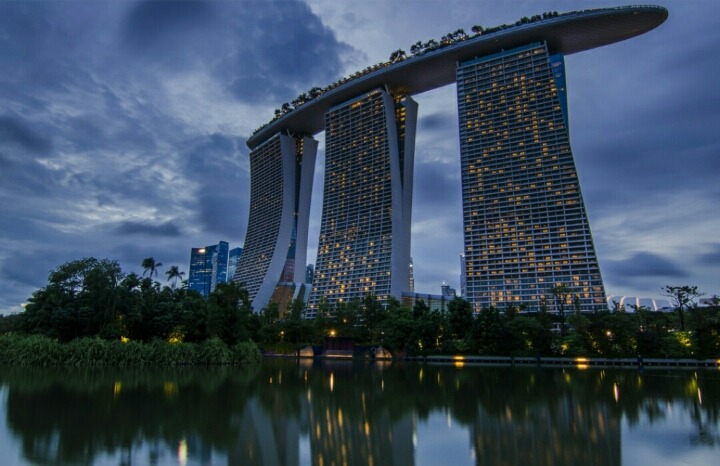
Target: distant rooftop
(566, 33)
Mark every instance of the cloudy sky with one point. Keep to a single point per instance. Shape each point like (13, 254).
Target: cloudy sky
(123, 128)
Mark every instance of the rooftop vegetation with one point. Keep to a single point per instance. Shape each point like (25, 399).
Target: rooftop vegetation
(417, 49)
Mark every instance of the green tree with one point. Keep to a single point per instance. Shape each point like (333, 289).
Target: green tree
(526, 336)
(372, 314)
(428, 331)
(322, 322)
(488, 332)
(149, 265)
(80, 299)
(229, 313)
(683, 297)
(397, 328)
(173, 273)
(270, 327)
(561, 292)
(397, 55)
(295, 328)
(460, 317)
(346, 317)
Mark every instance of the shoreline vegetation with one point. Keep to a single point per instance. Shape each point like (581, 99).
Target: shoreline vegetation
(91, 313)
(42, 351)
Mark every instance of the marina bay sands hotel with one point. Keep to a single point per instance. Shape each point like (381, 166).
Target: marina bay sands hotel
(525, 225)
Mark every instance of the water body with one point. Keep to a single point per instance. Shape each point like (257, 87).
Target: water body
(337, 413)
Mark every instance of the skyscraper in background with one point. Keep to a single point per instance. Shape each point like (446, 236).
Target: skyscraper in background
(208, 267)
(364, 245)
(526, 229)
(233, 259)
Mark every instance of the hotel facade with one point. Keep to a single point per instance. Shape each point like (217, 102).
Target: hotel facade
(525, 225)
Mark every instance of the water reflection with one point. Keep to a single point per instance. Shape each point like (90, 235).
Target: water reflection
(345, 413)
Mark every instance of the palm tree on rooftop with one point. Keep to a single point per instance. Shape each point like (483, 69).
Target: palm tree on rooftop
(174, 273)
(149, 265)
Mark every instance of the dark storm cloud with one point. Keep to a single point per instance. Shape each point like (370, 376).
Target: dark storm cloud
(144, 228)
(435, 185)
(292, 48)
(153, 27)
(222, 213)
(15, 131)
(218, 163)
(644, 264)
(711, 258)
(440, 122)
(94, 144)
(667, 144)
(15, 268)
(263, 52)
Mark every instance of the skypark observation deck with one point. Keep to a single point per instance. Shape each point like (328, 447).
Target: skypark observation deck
(565, 34)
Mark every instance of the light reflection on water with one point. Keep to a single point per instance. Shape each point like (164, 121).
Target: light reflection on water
(284, 413)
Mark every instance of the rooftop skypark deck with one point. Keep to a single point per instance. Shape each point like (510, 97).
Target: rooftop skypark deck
(566, 33)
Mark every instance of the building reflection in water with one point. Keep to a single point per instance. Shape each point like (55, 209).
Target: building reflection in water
(285, 413)
(266, 438)
(566, 433)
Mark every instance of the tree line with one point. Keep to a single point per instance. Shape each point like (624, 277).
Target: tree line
(94, 298)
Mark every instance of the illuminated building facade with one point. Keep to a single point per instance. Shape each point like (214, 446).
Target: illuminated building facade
(526, 229)
(276, 241)
(208, 267)
(364, 245)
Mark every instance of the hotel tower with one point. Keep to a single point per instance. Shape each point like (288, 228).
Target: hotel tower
(364, 245)
(275, 249)
(526, 229)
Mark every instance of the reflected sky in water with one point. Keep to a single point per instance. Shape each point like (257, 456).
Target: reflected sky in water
(344, 413)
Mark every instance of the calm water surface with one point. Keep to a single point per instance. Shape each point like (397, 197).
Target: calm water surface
(335, 413)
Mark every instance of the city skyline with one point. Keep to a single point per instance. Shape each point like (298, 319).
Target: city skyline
(73, 120)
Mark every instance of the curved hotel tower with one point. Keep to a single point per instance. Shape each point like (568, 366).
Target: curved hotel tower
(525, 225)
(364, 242)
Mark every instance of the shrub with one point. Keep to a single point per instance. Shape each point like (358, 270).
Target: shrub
(37, 350)
(213, 351)
(246, 353)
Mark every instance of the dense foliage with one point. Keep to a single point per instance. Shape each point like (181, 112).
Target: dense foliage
(39, 350)
(90, 306)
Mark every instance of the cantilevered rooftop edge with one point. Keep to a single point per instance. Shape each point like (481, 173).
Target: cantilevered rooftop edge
(566, 34)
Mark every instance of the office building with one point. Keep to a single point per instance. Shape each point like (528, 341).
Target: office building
(526, 229)
(208, 267)
(447, 291)
(233, 259)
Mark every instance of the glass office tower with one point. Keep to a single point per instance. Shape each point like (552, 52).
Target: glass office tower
(275, 249)
(208, 267)
(525, 225)
(364, 245)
